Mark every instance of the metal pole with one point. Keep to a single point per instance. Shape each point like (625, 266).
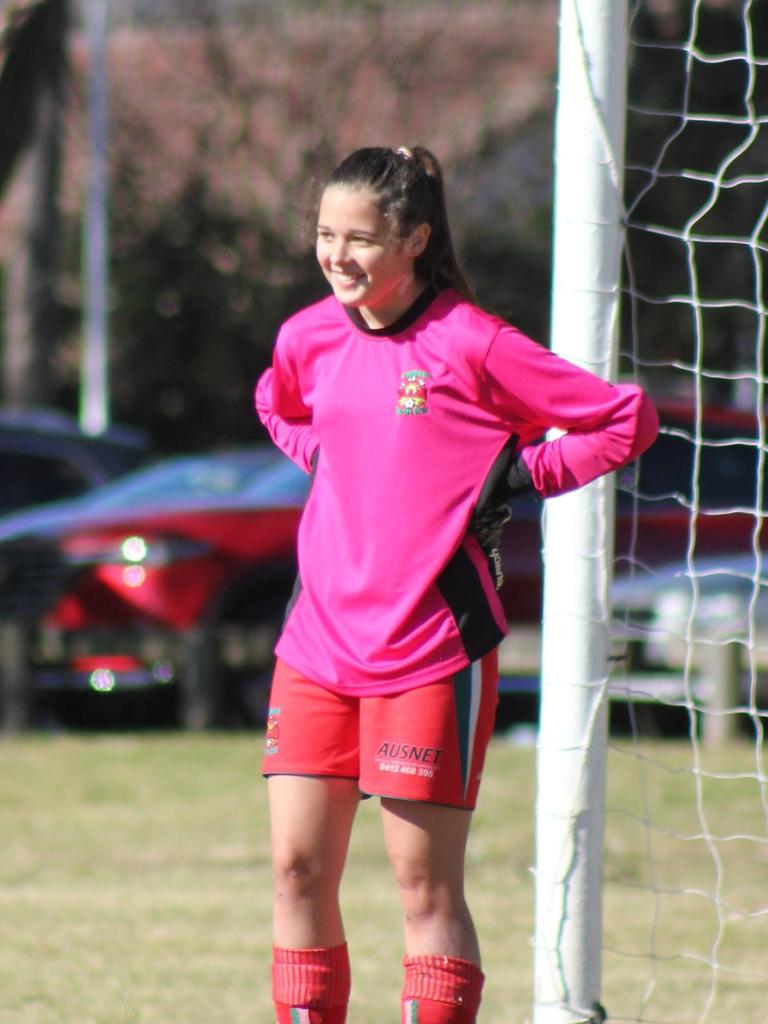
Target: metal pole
(16, 694)
(720, 665)
(578, 527)
(94, 387)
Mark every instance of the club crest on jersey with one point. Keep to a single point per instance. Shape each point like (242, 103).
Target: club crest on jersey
(412, 393)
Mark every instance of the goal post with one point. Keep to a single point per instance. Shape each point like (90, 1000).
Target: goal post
(578, 527)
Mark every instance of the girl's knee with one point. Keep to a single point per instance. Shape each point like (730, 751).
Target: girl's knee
(296, 874)
(422, 894)
(412, 874)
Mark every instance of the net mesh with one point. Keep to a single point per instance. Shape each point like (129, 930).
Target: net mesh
(686, 909)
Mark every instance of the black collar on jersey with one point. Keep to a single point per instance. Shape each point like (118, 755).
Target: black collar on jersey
(410, 316)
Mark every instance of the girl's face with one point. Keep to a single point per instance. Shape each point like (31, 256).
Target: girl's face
(366, 266)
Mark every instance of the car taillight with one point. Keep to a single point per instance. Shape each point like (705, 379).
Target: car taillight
(133, 552)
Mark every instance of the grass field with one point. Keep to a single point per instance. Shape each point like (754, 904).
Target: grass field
(135, 886)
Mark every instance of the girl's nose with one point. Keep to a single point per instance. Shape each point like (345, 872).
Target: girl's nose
(339, 251)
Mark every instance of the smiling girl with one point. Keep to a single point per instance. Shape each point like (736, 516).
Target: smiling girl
(413, 409)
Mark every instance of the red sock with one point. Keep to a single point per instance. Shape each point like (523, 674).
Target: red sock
(311, 986)
(441, 990)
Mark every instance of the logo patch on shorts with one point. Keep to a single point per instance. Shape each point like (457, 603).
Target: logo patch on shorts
(412, 393)
(409, 759)
(272, 741)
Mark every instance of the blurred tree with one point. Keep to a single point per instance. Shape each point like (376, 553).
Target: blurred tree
(220, 124)
(222, 113)
(32, 77)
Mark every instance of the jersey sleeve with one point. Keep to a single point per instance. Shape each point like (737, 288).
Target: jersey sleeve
(605, 426)
(294, 437)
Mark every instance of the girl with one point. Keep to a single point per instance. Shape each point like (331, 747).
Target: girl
(410, 406)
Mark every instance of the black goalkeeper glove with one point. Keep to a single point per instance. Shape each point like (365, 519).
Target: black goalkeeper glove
(508, 479)
(486, 525)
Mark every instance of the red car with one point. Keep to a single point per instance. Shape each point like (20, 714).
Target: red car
(156, 581)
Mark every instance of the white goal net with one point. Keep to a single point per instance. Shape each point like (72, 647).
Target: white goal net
(686, 825)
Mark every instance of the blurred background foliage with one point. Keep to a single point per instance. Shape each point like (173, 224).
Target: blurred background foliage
(223, 115)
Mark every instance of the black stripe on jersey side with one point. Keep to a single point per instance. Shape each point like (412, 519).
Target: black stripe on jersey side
(293, 598)
(460, 586)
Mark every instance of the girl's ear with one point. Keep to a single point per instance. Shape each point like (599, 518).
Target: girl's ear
(417, 240)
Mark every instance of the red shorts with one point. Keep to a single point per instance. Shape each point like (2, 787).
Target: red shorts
(425, 744)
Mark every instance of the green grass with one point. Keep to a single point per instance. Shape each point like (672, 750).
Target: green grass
(135, 886)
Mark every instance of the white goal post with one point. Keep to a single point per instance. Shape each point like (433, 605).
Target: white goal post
(589, 138)
(662, 885)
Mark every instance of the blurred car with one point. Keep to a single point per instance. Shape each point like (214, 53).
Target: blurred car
(159, 580)
(695, 493)
(173, 581)
(45, 456)
(707, 462)
(690, 596)
(686, 613)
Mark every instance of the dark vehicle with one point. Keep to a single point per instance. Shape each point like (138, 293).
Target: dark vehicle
(694, 492)
(707, 463)
(700, 523)
(44, 456)
(156, 582)
(690, 613)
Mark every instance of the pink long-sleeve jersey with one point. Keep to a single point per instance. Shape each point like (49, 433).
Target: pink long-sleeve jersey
(406, 424)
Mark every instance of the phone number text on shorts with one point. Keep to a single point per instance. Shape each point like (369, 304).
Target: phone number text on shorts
(406, 769)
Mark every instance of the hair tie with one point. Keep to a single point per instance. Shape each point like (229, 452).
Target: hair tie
(405, 151)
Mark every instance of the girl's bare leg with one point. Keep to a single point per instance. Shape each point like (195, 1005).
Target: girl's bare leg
(426, 846)
(311, 821)
(442, 981)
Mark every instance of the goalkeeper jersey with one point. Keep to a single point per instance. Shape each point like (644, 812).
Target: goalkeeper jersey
(402, 426)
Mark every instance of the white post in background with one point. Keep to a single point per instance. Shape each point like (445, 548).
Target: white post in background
(578, 527)
(94, 382)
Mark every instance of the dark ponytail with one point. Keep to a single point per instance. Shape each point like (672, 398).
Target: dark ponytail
(410, 191)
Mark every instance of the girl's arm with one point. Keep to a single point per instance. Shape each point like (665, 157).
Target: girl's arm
(581, 455)
(294, 437)
(605, 425)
